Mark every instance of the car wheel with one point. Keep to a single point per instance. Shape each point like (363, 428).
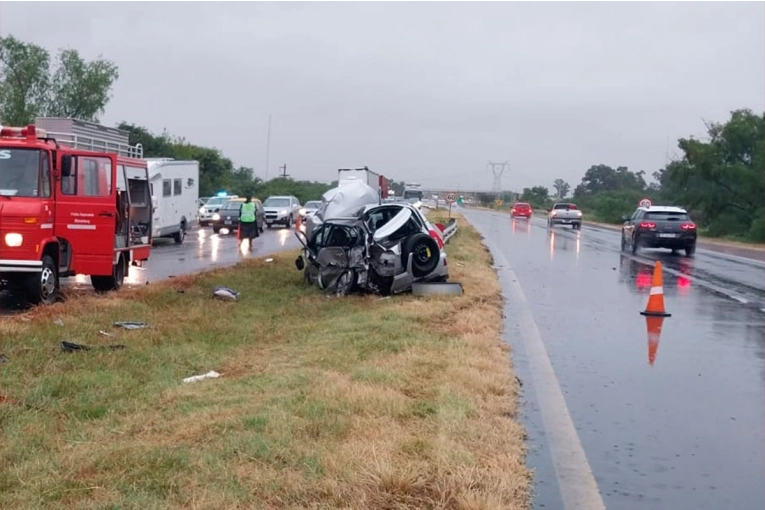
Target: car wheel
(425, 254)
(635, 243)
(624, 243)
(42, 288)
(345, 283)
(113, 281)
(179, 236)
(216, 230)
(289, 221)
(690, 250)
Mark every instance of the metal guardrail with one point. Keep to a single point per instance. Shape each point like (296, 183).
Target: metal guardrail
(450, 230)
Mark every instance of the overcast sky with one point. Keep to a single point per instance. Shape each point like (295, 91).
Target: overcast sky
(425, 92)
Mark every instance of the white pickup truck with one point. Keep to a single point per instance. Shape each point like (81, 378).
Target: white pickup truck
(564, 213)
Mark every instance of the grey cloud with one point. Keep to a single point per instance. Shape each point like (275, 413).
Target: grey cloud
(426, 92)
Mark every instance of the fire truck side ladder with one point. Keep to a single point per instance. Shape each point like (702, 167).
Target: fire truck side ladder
(90, 143)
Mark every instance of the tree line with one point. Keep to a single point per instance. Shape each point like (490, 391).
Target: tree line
(719, 180)
(34, 84)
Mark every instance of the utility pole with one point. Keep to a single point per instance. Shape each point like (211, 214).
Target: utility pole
(283, 168)
(497, 169)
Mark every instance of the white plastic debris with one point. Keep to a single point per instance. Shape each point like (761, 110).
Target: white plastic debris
(58, 322)
(225, 293)
(212, 374)
(269, 260)
(131, 325)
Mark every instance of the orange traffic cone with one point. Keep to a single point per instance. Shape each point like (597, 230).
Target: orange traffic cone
(299, 222)
(655, 306)
(239, 232)
(653, 325)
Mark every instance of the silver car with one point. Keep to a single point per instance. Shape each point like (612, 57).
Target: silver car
(281, 210)
(384, 248)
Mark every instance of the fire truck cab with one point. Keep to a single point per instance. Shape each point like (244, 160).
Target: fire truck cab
(65, 210)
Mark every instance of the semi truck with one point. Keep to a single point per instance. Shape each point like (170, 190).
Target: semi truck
(74, 200)
(377, 181)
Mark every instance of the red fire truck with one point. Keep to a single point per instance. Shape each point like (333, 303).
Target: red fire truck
(69, 205)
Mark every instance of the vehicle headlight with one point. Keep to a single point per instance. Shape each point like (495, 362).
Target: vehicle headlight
(201, 210)
(216, 217)
(283, 212)
(13, 239)
(554, 213)
(302, 212)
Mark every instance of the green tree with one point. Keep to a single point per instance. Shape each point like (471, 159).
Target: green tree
(561, 188)
(80, 89)
(722, 180)
(24, 81)
(537, 196)
(29, 88)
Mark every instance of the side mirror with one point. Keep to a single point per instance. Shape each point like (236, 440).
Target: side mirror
(66, 166)
(625, 219)
(548, 210)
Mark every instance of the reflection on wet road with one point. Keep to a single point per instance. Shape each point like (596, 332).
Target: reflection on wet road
(674, 420)
(201, 250)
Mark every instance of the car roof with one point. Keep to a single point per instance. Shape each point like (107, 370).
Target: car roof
(664, 208)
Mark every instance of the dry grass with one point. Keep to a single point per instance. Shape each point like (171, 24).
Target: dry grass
(324, 403)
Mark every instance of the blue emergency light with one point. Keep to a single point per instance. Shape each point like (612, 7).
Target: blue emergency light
(222, 194)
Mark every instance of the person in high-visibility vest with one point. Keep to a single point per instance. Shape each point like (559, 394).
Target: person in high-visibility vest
(248, 219)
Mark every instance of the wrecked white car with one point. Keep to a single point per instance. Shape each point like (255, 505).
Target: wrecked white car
(352, 245)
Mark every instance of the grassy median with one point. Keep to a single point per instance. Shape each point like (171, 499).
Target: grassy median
(324, 402)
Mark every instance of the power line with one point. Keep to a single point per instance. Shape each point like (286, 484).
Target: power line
(497, 169)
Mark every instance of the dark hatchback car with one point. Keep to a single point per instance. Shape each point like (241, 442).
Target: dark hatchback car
(228, 216)
(659, 227)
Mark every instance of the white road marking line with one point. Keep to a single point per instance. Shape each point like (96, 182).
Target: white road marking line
(578, 488)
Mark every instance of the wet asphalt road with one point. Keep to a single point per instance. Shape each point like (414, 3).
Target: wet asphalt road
(684, 432)
(201, 250)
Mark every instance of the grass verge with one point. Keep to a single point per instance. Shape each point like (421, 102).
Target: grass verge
(357, 402)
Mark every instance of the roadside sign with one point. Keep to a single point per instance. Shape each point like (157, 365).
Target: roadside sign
(645, 202)
(499, 202)
(459, 200)
(451, 198)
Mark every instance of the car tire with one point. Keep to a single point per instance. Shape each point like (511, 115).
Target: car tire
(345, 283)
(43, 288)
(635, 243)
(425, 251)
(179, 236)
(216, 230)
(690, 250)
(624, 243)
(290, 222)
(113, 281)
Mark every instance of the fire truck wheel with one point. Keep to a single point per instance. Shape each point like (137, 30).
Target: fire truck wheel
(42, 288)
(113, 281)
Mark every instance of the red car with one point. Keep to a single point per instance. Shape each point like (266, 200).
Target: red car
(521, 209)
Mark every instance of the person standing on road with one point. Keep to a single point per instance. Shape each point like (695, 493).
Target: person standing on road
(248, 220)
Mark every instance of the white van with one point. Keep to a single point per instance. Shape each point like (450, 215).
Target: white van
(174, 195)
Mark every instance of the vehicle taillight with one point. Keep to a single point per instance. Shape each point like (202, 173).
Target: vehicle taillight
(438, 239)
(647, 224)
(512, 210)
(571, 207)
(688, 226)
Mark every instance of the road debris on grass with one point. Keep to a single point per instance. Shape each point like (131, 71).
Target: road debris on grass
(212, 374)
(225, 293)
(72, 347)
(131, 325)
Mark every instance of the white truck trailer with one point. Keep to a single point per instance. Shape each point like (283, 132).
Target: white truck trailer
(174, 196)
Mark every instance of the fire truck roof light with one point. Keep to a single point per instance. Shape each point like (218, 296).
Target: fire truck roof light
(29, 131)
